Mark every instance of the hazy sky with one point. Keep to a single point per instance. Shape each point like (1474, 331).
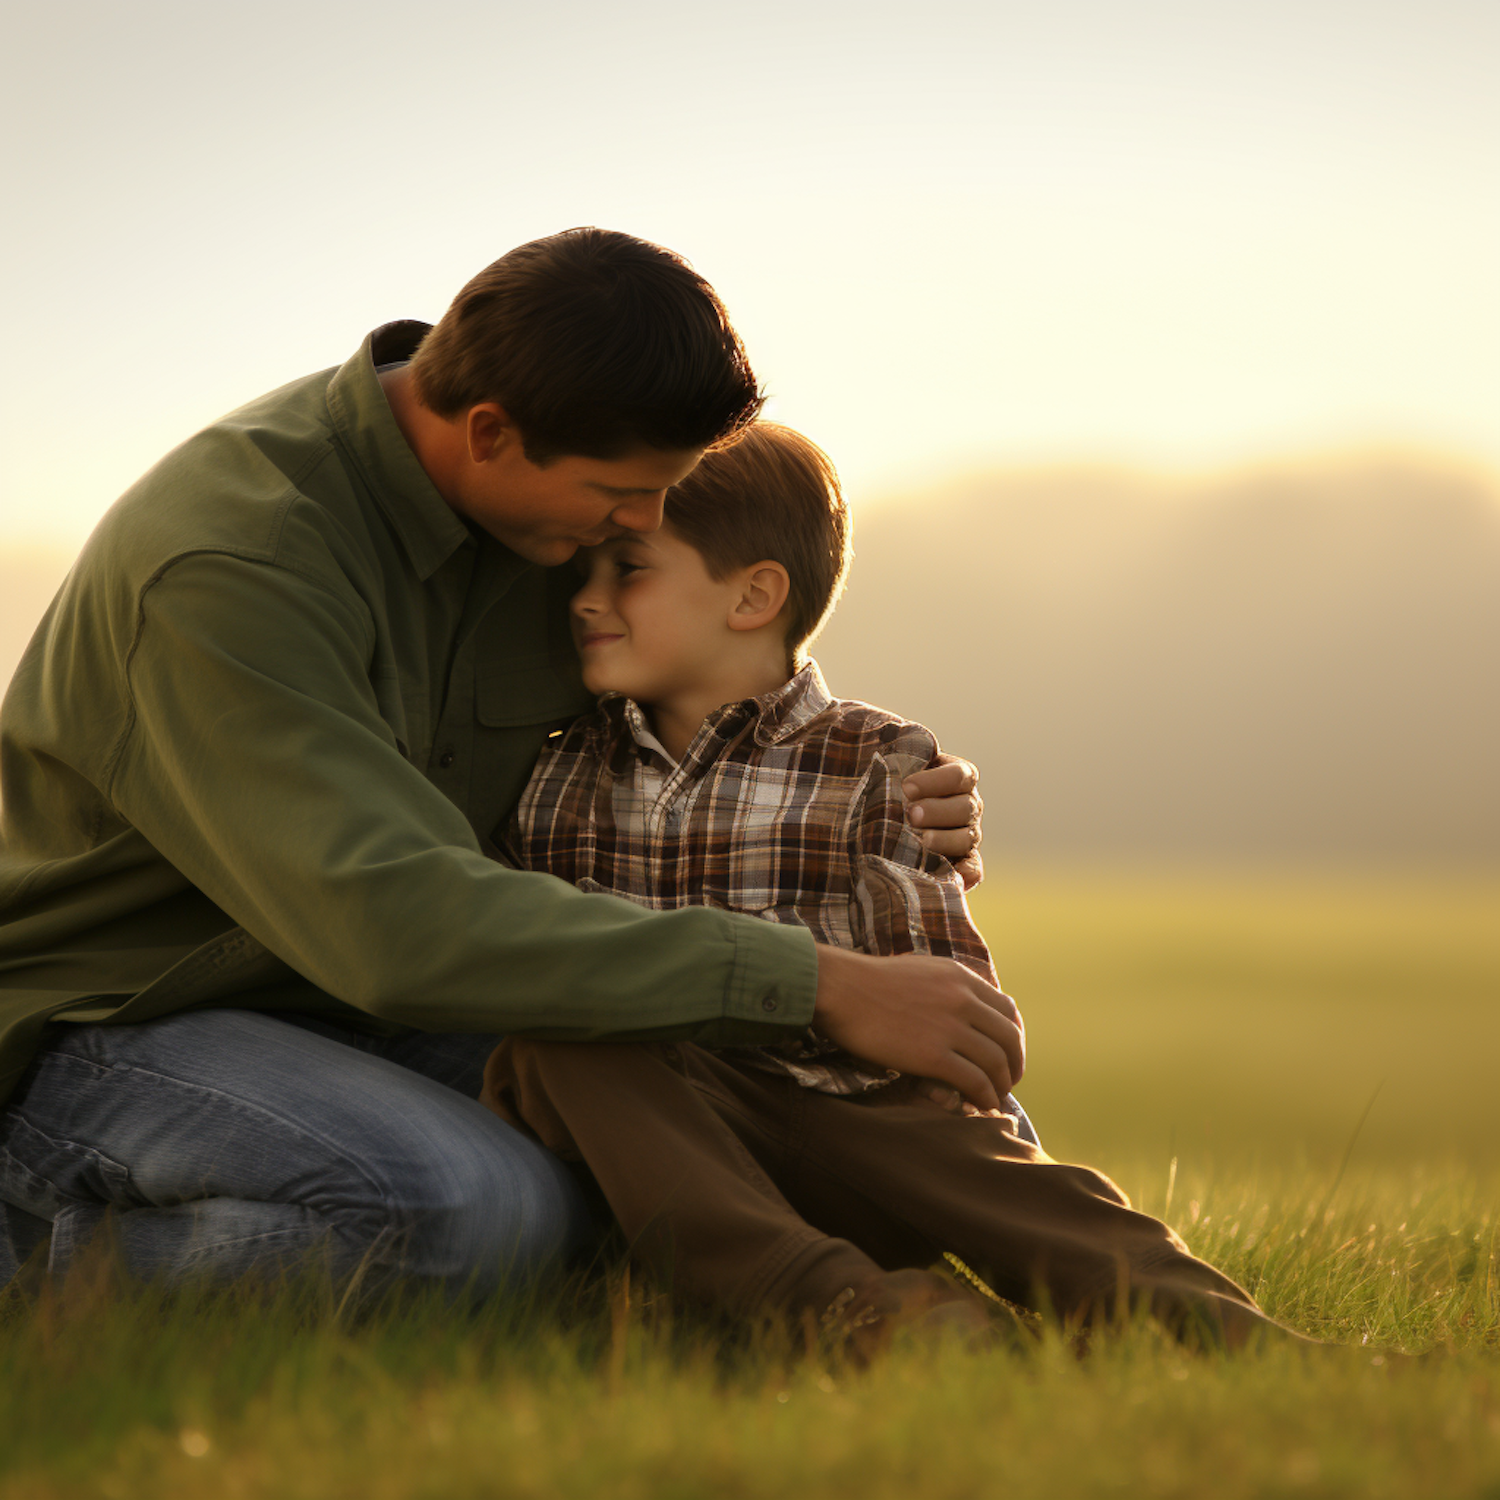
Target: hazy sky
(1176, 233)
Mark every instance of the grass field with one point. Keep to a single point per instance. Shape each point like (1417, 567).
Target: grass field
(1299, 1076)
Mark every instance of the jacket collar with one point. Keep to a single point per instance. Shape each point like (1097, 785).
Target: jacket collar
(428, 528)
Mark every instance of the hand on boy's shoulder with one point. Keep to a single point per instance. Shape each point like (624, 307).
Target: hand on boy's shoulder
(944, 806)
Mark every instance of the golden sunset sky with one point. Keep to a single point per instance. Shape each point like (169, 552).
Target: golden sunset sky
(953, 234)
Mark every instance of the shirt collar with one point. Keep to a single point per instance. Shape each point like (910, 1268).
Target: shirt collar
(796, 703)
(774, 717)
(427, 526)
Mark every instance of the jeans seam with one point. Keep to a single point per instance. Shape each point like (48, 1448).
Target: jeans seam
(247, 1107)
(106, 1164)
(208, 1253)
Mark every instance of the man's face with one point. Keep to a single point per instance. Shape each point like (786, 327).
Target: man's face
(649, 621)
(546, 512)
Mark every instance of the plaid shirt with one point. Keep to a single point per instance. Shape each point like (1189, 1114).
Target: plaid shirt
(786, 807)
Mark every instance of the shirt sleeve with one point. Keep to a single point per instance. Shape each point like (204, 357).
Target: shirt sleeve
(907, 899)
(257, 763)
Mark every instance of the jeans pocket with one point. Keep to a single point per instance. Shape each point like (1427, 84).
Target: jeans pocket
(20, 1234)
(42, 1175)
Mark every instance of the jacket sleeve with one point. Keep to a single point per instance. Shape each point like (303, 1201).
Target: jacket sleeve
(255, 761)
(907, 899)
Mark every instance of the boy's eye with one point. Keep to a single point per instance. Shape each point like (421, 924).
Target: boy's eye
(623, 566)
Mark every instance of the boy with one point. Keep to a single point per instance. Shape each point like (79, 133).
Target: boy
(717, 771)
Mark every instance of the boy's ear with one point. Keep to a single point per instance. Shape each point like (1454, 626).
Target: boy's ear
(763, 590)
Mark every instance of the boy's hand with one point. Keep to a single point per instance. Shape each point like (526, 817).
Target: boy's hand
(944, 806)
(922, 1015)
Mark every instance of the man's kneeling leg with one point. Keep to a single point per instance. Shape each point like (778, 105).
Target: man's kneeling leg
(226, 1143)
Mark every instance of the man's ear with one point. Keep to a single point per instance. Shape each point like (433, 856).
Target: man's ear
(490, 431)
(763, 590)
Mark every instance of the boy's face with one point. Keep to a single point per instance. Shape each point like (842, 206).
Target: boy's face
(649, 621)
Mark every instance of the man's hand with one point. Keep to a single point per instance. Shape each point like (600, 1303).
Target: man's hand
(922, 1015)
(944, 806)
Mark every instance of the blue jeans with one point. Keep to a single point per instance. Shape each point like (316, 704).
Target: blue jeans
(223, 1142)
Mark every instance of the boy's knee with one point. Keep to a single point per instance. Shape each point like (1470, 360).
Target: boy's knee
(1093, 1184)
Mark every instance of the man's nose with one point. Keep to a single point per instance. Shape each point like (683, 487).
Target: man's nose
(643, 513)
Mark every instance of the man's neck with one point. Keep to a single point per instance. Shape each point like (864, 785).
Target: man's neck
(433, 439)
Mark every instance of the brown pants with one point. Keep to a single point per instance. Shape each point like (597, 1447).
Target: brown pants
(748, 1191)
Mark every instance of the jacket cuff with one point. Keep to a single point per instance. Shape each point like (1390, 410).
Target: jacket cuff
(773, 982)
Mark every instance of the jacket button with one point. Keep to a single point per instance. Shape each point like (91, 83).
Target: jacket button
(768, 1003)
(445, 759)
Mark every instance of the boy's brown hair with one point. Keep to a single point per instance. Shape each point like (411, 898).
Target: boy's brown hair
(595, 343)
(772, 495)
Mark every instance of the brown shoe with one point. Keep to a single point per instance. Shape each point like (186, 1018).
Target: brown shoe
(862, 1322)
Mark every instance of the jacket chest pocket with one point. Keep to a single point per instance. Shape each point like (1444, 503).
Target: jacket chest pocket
(516, 706)
(511, 695)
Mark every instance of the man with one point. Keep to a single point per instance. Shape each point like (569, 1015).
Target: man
(299, 672)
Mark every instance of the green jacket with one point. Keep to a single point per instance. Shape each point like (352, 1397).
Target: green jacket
(253, 751)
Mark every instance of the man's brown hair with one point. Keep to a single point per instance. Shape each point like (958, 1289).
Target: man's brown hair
(595, 343)
(772, 495)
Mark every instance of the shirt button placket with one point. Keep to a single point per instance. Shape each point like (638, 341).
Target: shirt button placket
(672, 863)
